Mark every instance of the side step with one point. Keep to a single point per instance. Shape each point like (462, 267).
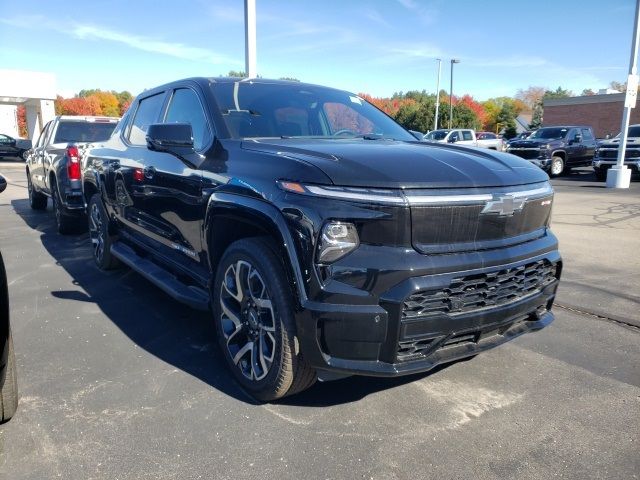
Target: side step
(193, 296)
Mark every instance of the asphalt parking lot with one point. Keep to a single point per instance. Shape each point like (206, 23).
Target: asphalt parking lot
(118, 381)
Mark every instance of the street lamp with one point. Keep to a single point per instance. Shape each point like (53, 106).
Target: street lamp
(453, 60)
(435, 122)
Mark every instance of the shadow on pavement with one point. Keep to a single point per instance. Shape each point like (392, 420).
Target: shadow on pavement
(172, 332)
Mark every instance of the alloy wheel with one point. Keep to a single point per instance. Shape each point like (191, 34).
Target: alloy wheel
(556, 167)
(248, 320)
(96, 231)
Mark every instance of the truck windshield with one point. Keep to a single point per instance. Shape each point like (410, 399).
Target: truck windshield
(549, 133)
(436, 135)
(633, 131)
(282, 110)
(71, 131)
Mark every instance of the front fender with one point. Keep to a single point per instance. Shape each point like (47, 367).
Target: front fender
(223, 204)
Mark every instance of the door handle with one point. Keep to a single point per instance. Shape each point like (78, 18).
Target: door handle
(149, 172)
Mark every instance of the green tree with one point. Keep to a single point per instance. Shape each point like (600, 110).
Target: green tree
(291, 79)
(234, 73)
(536, 117)
(558, 93)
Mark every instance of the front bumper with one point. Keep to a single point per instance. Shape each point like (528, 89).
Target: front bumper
(380, 340)
(602, 165)
(538, 157)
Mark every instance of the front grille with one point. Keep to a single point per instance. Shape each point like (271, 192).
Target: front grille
(527, 154)
(457, 228)
(613, 153)
(483, 290)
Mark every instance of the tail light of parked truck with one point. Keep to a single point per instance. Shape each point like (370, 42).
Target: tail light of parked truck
(73, 166)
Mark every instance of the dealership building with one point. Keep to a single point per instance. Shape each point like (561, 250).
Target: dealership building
(602, 112)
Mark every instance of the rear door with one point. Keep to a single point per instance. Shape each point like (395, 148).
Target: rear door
(124, 173)
(173, 202)
(37, 156)
(589, 142)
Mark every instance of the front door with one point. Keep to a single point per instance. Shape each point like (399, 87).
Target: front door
(173, 202)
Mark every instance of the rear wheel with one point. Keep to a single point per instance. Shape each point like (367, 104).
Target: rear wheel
(601, 175)
(37, 200)
(65, 223)
(253, 313)
(9, 392)
(557, 166)
(101, 239)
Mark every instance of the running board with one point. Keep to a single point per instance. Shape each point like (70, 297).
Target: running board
(193, 296)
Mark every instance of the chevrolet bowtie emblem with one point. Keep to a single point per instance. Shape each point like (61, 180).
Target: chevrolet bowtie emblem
(504, 205)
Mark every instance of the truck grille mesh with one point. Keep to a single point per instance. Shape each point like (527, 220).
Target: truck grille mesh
(483, 290)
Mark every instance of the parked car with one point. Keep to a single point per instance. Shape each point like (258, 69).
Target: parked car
(324, 238)
(8, 376)
(557, 149)
(490, 140)
(53, 166)
(606, 155)
(461, 136)
(13, 147)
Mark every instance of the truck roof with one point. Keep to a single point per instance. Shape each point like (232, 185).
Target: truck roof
(88, 118)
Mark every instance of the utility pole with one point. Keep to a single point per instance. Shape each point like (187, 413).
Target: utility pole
(619, 176)
(453, 60)
(250, 63)
(435, 122)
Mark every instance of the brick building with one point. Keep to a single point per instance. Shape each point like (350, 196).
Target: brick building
(602, 112)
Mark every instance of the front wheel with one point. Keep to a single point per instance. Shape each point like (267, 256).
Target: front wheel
(557, 166)
(601, 175)
(253, 313)
(101, 239)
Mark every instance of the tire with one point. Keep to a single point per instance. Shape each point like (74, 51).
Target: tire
(65, 223)
(37, 200)
(9, 392)
(258, 317)
(557, 167)
(100, 235)
(601, 175)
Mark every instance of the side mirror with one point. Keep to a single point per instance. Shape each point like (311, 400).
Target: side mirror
(175, 138)
(3, 184)
(418, 135)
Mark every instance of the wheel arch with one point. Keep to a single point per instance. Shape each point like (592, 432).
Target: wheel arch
(560, 153)
(232, 217)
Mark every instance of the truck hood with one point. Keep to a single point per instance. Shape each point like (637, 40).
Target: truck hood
(615, 142)
(396, 164)
(535, 143)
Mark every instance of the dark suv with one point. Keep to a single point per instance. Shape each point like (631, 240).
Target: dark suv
(557, 149)
(324, 238)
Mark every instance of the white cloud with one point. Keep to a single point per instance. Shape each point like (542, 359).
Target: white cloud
(146, 44)
(375, 17)
(427, 15)
(173, 49)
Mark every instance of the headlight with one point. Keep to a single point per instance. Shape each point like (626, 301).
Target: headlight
(337, 240)
(545, 147)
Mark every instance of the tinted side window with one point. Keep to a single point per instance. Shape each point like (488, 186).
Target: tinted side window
(185, 107)
(43, 134)
(586, 134)
(146, 114)
(466, 135)
(454, 137)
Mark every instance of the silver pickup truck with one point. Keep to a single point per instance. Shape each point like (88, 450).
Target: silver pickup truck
(53, 166)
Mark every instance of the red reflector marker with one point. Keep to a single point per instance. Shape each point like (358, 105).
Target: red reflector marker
(138, 175)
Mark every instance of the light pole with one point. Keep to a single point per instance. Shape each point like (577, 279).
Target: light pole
(435, 122)
(250, 38)
(619, 176)
(453, 60)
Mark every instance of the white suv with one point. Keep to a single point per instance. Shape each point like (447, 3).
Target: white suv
(461, 136)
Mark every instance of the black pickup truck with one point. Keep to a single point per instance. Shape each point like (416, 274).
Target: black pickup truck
(325, 240)
(557, 149)
(53, 166)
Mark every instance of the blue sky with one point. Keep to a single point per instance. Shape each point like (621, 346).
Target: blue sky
(372, 46)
